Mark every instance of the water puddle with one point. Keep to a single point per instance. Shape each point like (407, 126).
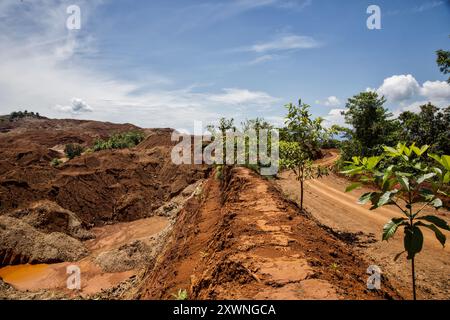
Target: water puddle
(93, 279)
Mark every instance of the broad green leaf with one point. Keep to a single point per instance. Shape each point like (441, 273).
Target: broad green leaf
(391, 227)
(425, 177)
(386, 197)
(353, 186)
(427, 194)
(444, 193)
(365, 198)
(446, 161)
(355, 160)
(389, 184)
(415, 150)
(437, 203)
(439, 235)
(437, 158)
(446, 177)
(372, 162)
(437, 221)
(413, 241)
(404, 182)
(387, 173)
(391, 151)
(437, 170)
(407, 151)
(420, 151)
(352, 171)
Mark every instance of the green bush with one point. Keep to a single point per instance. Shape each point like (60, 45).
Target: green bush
(73, 150)
(55, 162)
(119, 141)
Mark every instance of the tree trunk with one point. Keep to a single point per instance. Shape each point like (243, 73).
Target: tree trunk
(301, 195)
(413, 279)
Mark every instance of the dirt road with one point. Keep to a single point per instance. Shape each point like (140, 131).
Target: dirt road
(326, 200)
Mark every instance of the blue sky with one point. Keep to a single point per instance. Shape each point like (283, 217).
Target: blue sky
(168, 63)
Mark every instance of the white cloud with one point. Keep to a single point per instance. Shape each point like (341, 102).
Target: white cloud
(399, 87)
(41, 69)
(436, 90)
(235, 96)
(332, 101)
(335, 117)
(76, 106)
(428, 6)
(408, 94)
(261, 59)
(206, 13)
(285, 42)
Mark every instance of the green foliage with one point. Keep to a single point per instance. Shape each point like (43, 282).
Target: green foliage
(219, 172)
(303, 137)
(293, 157)
(182, 294)
(55, 162)
(73, 150)
(119, 141)
(430, 126)
(410, 184)
(443, 61)
(16, 115)
(227, 126)
(302, 128)
(371, 126)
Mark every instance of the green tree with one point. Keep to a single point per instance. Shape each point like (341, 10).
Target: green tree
(443, 61)
(304, 136)
(429, 126)
(371, 126)
(73, 150)
(293, 157)
(303, 129)
(410, 185)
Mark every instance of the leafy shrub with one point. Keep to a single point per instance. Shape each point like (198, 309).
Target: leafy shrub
(73, 150)
(182, 294)
(23, 114)
(409, 183)
(219, 172)
(119, 141)
(55, 162)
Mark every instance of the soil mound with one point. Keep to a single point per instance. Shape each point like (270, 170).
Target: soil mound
(48, 217)
(241, 240)
(99, 187)
(20, 243)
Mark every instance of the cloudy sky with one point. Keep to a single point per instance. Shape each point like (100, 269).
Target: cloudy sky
(168, 63)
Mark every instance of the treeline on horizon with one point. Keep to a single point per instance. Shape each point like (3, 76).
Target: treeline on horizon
(369, 126)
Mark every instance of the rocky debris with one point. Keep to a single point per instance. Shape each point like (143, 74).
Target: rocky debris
(8, 292)
(21, 243)
(134, 255)
(127, 257)
(171, 208)
(47, 216)
(125, 290)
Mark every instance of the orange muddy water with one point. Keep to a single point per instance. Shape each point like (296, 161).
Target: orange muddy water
(93, 279)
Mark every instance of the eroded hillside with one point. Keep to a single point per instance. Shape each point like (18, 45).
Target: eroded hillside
(139, 226)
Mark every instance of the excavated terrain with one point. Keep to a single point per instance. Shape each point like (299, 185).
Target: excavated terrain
(241, 240)
(140, 227)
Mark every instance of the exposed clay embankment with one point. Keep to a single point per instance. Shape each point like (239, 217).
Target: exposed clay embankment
(239, 239)
(61, 204)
